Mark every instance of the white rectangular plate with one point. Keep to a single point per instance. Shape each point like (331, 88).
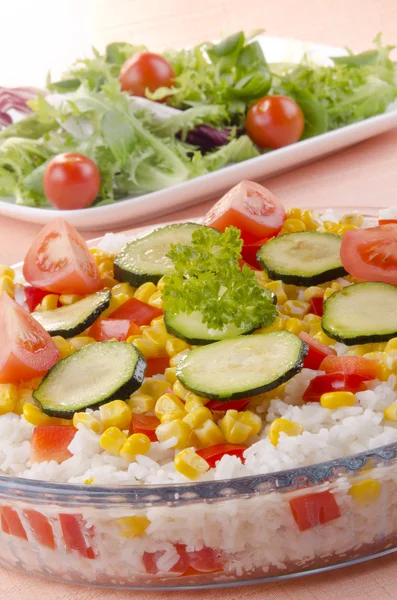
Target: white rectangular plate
(135, 210)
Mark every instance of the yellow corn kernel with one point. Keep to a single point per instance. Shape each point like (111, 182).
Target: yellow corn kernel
(144, 291)
(365, 492)
(116, 414)
(6, 271)
(156, 300)
(379, 347)
(89, 481)
(137, 443)
(156, 333)
(132, 338)
(295, 326)
(178, 429)
(238, 427)
(179, 390)
(324, 339)
(262, 278)
(64, 347)
(334, 287)
(174, 361)
(195, 418)
(391, 345)
(209, 434)
(374, 355)
(286, 426)
(292, 226)
(8, 398)
(153, 387)
(311, 319)
(190, 464)
(355, 219)
(112, 440)
(7, 285)
(391, 412)
(106, 267)
(337, 399)
(148, 348)
(141, 403)
(359, 350)
(49, 302)
(277, 325)
(250, 419)
(89, 422)
(161, 284)
(278, 288)
(80, 341)
(100, 255)
(174, 346)
(169, 407)
(295, 308)
(309, 218)
(195, 403)
(170, 375)
(131, 527)
(67, 299)
(123, 288)
(36, 417)
(313, 292)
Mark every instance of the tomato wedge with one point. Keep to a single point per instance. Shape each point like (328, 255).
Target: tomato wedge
(251, 208)
(145, 424)
(214, 453)
(11, 523)
(317, 351)
(231, 404)
(73, 527)
(109, 329)
(317, 306)
(365, 368)
(41, 528)
(157, 365)
(136, 311)
(314, 509)
(59, 261)
(332, 382)
(371, 254)
(26, 349)
(50, 442)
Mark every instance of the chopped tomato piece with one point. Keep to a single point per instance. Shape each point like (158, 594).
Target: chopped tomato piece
(365, 368)
(34, 296)
(73, 527)
(231, 404)
(11, 523)
(314, 509)
(214, 453)
(333, 382)
(206, 560)
(317, 306)
(26, 349)
(41, 528)
(249, 252)
(50, 442)
(145, 424)
(4, 524)
(109, 329)
(157, 366)
(317, 351)
(150, 559)
(59, 261)
(387, 221)
(136, 311)
(251, 208)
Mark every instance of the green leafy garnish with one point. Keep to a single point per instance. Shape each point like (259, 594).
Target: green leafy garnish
(208, 279)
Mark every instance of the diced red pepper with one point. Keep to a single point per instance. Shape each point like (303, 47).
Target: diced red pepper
(34, 296)
(72, 530)
(317, 351)
(387, 221)
(4, 524)
(150, 559)
(157, 366)
(136, 311)
(214, 453)
(249, 252)
(206, 560)
(366, 368)
(314, 509)
(197, 562)
(51, 443)
(109, 329)
(11, 523)
(333, 382)
(317, 306)
(145, 424)
(41, 528)
(228, 405)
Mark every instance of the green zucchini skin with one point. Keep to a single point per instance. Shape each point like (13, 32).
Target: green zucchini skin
(79, 327)
(194, 341)
(304, 281)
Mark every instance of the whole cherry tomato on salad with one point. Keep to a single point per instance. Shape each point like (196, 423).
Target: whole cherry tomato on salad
(145, 70)
(251, 208)
(59, 261)
(71, 181)
(371, 254)
(274, 122)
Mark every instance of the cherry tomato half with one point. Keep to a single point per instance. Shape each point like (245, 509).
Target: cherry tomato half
(59, 261)
(365, 368)
(317, 351)
(274, 122)
(251, 208)
(71, 181)
(332, 382)
(26, 349)
(145, 70)
(371, 254)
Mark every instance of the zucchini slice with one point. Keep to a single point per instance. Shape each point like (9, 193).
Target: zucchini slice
(192, 330)
(361, 313)
(94, 375)
(71, 320)
(243, 366)
(302, 258)
(145, 259)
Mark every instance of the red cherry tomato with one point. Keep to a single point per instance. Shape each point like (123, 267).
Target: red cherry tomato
(145, 70)
(34, 296)
(249, 252)
(136, 311)
(251, 208)
(317, 306)
(365, 368)
(145, 424)
(41, 528)
(26, 349)
(50, 442)
(110, 329)
(75, 534)
(314, 509)
(332, 382)
(371, 254)
(157, 365)
(214, 453)
(274, 122)
(317, 351)
(231, 404)
(59, 261)
(71, 181)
